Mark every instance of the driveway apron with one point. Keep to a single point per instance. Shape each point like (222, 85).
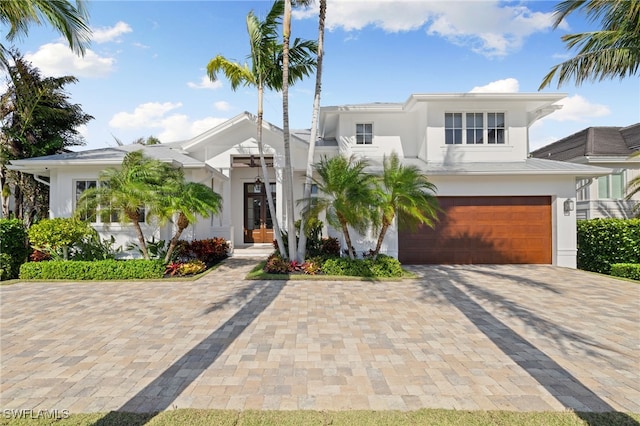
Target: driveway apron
(524, 338)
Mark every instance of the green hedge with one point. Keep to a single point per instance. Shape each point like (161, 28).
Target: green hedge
(93, 270)
(603, 242)
(626, 270)
(383, 267)
(13, 247)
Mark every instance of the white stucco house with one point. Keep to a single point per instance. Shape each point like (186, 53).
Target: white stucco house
(612, 147)
(498, 205)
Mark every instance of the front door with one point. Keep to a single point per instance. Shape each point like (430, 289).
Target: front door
(258, 226)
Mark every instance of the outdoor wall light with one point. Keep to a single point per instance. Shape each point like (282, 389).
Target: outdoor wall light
(568, 206)
(257, 185)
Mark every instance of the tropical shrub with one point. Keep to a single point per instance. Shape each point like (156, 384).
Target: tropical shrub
(276, 264)
(626, 270)
(603, 242)
(155, 249)
(209, 251)
(92, 247)
(330, 247)
(93, 270)
(13, 247)
(39, 256)
(56, 236)
(192, 267)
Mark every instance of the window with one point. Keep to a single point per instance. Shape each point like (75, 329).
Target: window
(582, 188)
(314, 189)
(364, 134)
(611, 186)
(474, 128)
(103, 214)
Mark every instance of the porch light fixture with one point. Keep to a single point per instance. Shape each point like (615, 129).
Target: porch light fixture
(568, 206)
(257, 185)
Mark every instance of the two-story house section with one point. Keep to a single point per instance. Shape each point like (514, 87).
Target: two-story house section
(612, 147)
(498, 205)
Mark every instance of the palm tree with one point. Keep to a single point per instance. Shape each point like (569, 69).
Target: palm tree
(611, 52)
(405, 193)
(314, 126)
(187, 199)
(345, 194)
(266, 72)
(140, 182)
(69, 20)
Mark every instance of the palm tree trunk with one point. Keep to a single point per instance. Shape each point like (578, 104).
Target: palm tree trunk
(288, 169)
(383, 232)
(263, 163)
(302, 244)
(347, 236)
(133, 217)
(182, 222)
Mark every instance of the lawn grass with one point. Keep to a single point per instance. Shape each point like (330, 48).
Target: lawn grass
(257, 273)
(195, 417)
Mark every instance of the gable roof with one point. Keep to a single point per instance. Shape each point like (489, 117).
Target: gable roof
(593, 141)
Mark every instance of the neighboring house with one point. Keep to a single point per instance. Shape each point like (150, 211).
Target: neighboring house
(611, 147)
(498, 205)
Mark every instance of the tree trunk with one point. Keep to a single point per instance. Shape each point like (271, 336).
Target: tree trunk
(302, 244)
(133, 217)
(5, 192)
(383, 231)
(288, 169)
(347, 236)
(182, 223)
(265, 173)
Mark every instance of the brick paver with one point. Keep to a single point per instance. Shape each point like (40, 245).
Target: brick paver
(527, 338)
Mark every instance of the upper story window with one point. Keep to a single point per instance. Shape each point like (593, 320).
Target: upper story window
(364, 133)
(611, 186)
(103, 214)
(474, 128)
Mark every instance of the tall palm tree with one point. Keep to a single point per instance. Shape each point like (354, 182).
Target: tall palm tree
(68, 19)
(345, 194)
(405, 193)
(611, 52)
(266, 72)
(188, 200)
(314, 126)
(140, 182)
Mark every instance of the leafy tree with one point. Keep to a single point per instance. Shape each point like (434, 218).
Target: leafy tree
(68, 19)
(53, 235)
(614, 51)
(345, 194)
(405, 193)
(314, 126)
(187, 200)
(265, 71)
(140, 182)
(36, 119)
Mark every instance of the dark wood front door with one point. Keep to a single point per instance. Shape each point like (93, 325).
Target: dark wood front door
(258, 226)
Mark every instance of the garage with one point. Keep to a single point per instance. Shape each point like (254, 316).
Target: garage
(483, 230)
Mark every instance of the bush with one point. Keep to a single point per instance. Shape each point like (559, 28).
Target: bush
(95, 270)
(383, 267)
(276, 265)
(14, 248)
(626, 270)
(192, 267)
(208, 251)
(603, 242)
(56, 236)
(330, 247)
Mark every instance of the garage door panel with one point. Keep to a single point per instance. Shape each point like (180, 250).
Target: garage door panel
(483, 230)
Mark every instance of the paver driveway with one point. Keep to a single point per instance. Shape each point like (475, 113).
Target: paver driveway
(467, 337)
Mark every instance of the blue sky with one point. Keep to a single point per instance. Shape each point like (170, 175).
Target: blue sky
(144, 73)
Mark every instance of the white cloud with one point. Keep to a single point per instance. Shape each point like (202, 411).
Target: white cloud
(222, 106)
(168, 127)
(577, 108)
(205, 83)
(490, 28)
(508, 85)
(106, 34)
(56, 59)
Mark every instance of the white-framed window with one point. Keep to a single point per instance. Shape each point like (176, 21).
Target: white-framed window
(611, 186)
(582, 188)
(364, 133)
(314, 189)
(472, 128)
(103, 214)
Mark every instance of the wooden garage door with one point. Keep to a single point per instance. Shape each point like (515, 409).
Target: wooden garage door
(494, 230)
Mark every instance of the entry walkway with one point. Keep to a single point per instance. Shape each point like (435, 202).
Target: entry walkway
(523, 338)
